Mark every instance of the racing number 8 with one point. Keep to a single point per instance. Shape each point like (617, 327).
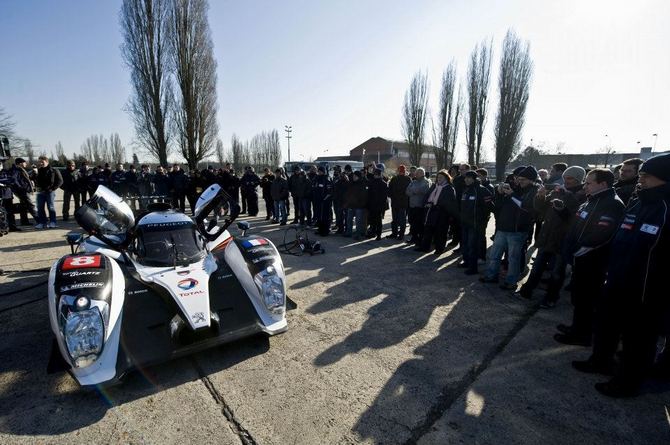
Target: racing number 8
(80, 262)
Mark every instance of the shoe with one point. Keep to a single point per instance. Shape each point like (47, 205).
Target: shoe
(39, 226)
(571, 339)
(15, 229)
(267, 218)
(616, 390)
(548, 304)
(453, 244)
(66, 218)
(52, 225)
(462, 265)
(391, 236)
(471, 272)
(411, 241)
(488, 280)
(283, 223)
(564, 328)
(508, 286)
(378, 238)
(591, 367)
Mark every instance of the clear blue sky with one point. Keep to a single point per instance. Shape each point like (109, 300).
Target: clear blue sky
(337, 71)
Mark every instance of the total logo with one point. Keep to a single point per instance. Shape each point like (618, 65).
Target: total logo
(188, 283)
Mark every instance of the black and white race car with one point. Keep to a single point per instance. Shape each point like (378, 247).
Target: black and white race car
(139, 293)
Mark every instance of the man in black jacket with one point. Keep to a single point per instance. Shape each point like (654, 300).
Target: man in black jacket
(179, 182)
(266, 187)
(459, 186)
(83, 181)
(355, 202)
(399, 203)
(70, 189)
(628, 178)
(48, 181)
(23, 189)
(248, 184)
(587, 247)
(514, 218)
(377, 202)
(635, 301)
(475, 207)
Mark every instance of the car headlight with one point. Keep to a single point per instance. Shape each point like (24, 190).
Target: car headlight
(84, 333)
(272, 289)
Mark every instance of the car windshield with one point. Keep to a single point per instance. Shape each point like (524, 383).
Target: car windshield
(162, 246)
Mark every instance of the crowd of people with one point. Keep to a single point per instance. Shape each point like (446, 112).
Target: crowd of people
(610, 229)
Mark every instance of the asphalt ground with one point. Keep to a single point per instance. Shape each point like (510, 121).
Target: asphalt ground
(386, 345)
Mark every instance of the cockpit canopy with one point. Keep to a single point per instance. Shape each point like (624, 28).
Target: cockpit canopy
(107, 217)
(166, 239)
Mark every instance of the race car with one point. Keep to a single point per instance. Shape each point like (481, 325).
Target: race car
(138, 293)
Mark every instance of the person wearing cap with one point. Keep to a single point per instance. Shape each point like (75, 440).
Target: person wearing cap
(587, 249)
(635, 304)
(556, 207)
(628, 179)
(399, 202)
(23, 189)
(475, 207)
(70, 189)
(514, 210)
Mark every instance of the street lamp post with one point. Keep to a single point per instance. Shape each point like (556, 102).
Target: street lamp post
(655, 135)
(288, 130)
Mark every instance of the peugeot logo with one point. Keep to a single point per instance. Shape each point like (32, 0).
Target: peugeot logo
(188, 283)
(198, 317)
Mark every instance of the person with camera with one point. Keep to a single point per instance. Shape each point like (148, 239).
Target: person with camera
(556, 204)
(514, 218)
(587, 248)
(634, 306)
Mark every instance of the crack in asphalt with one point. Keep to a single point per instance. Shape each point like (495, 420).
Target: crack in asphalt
(244, 435)
(450, 393)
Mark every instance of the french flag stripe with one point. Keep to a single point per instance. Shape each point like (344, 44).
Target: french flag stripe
(255, 242)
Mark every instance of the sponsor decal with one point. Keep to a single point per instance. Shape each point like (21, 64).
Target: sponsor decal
(188, 283)
(254, 242)
(81, 286)
(627, 226)
(190, 294)
(82, 273)
(82, 262)
(139, 291)
(648, 228)
(198, 317)
(583, 214)
(265, 248)
(603, 223)
(166, 224)
(223, 277)
(183, 272)
(263, 258)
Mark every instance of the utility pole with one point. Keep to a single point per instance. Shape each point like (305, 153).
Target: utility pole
(288, 130)
(655, 135)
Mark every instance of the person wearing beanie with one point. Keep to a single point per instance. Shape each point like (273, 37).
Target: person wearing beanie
(587, 249)
(514, 220)
(556, 206)
(399, 203)
(634, 303)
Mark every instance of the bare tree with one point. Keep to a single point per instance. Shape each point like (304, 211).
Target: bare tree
(478, 80)
(116, 149)
(414, 116)
(60, 154)
(220, 153)
(448, 119)
(516, 69)
(195, 71)
(145, 51)
(237, 151)
(8, 129)
(29, 151)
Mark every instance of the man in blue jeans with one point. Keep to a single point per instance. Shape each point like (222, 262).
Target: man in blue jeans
(513, 223)
(355, 201)
(48, 181)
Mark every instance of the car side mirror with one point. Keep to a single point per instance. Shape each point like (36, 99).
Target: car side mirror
(210, 200)
(74, 239)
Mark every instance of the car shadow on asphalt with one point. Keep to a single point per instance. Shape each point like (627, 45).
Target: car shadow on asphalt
(33, 402)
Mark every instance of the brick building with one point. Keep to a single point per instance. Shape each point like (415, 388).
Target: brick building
(390, 153)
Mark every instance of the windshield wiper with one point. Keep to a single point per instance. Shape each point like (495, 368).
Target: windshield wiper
(174, 252)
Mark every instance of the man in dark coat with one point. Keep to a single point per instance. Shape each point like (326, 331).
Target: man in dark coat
(475, 207)
(635, 303)
(292, 186)
(587, 247)
(377, 202)
(145, 185)
(6, 197)
(399, 203)
(248, 183)
(162, 185)
(279, 195)
(23, 189)
(514, 218)
(194, 188)
(322, 199)
(340, 184)
(70, 189)
(628, 179)
(179, 182)
(459, 186)
(48, 181)
(441, 210)
(355, 201)
(266, 187)
(83, 188)
(118, 181)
